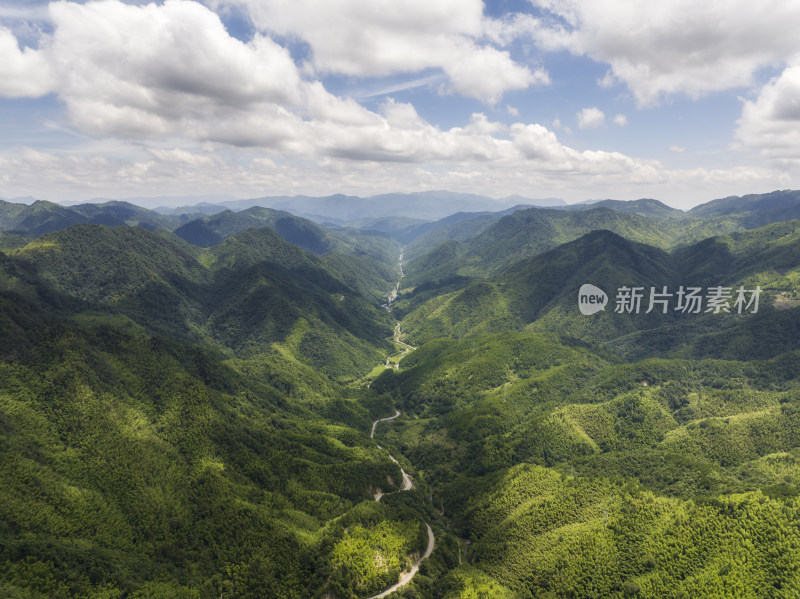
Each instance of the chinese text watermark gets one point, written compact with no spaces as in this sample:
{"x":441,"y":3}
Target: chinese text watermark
{"x":685,"y":300}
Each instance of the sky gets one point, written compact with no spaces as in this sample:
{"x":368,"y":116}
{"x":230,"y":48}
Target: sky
{"x":678,"y":100}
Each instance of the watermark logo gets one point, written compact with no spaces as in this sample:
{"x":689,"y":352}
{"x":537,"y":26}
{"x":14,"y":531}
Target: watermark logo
{"x":591,"y":299}
{"x":685,"y":300}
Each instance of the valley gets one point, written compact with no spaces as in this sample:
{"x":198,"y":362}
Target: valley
{"x":254,"y":404}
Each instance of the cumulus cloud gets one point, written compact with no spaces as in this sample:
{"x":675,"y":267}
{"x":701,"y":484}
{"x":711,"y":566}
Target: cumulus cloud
{"x":771,"y":122}
{"x":590,"y":118}
{"x":676,"y":47}
{"x":366,"y":38}
{"x":172,"y":71}
{"x":620,"y":120}
{"x":154,"y":71}
{"x":169,"y":79}
{"x":23,"y":72}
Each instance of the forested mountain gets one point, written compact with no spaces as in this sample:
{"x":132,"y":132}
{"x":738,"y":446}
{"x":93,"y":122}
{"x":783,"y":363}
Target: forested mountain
{"x":479,"y":253}
{"x":529,"y":233}
{"x":753,"y":210}
{"x":210,"y":230}
{"x":45,"y":217}
{"x":228,"y":410}
{"x":540,"y":294}
{"x":575,"y":475}
{"x":253,"y":290}
{"x":134,"y":465}
{"x":644,"y":207}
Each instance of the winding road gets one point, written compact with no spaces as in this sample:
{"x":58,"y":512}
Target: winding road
{"x":408,"y":484}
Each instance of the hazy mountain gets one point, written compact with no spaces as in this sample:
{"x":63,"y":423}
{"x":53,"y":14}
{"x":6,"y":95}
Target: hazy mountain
{"x":421,"y":236}
{"x":645,"y":207}
{"x":427,"y":205}
{"x":755,"y":209}
{"x":213,"y":229}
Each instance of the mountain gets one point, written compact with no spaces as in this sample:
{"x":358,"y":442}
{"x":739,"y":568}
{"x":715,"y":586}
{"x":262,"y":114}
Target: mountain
{"x":553,"y":459}
{"x":37,"y":218}
{"x":125,"y":454}
{"x":115,"y":213}
{"x":753,"y":210}
{"x":45,"y":217}
{"x":544,"y":288}
{"x":541,"y":202}
{"x":527,"y":233}
{"x":367,"y":260}
{"x":645,"y":207}
{"x":210,"y":230}
{"x":167,"y":203}
{"x":426,"y":205}
{"x":401,"y":228}
{"x":245,"y":420}
{"x":461,"y":226}
{"x":539,"y":294}
{"x":254,"y":289}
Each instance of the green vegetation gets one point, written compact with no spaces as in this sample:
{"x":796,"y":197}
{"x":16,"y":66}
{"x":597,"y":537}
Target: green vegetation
{"x":580,"y":476}
{"x":134,"y":465}
{"x":254,"y":293}
{"x":179,"y":421}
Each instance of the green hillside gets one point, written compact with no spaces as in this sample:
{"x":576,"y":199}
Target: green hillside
{"x":252,"y":291}
{"x":46,"y":217}
{"x":540,"y":294}
{"x":239,"y":411}
{"x":136,"y":466}
{"x":574,"y":475}
{"x":487,"y":247}
{"x":210,"y":230}
{"x":753,"y":210}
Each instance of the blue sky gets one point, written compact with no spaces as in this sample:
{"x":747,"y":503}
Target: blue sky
{"x":681,"y":101}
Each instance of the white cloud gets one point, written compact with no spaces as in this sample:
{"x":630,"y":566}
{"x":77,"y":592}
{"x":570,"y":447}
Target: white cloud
{"x":207,"y":113}
{"x":23,"y":73}
{"x":771,"y":122}
{"x":366,"y":38}
{"x":513,"y":111}
{"x":487,"y":73}
{"x":531,"y":162}
{"x":675,"y":47}
{"x":590,"y":118}
{"x":620,"y":120}
{"x":162,"y":70}
{"x":558,"y":125}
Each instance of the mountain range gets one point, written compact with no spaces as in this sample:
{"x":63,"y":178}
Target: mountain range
{"x":207,"y":402}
